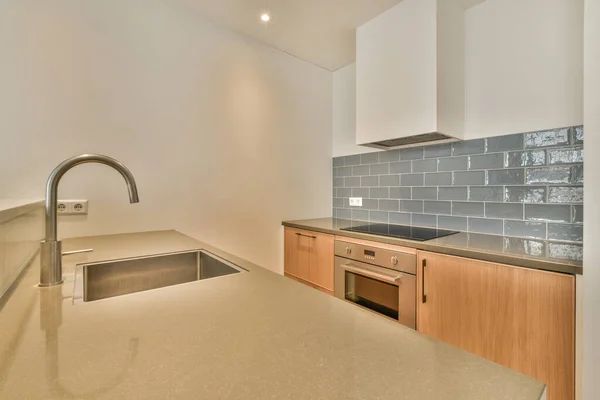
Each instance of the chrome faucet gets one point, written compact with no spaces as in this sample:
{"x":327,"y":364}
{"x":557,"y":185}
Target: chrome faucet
{"x":51,"y":248}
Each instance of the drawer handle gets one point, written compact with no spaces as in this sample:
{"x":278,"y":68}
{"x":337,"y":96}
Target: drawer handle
{"x":308,"y":236}
{"x":423,"y":295}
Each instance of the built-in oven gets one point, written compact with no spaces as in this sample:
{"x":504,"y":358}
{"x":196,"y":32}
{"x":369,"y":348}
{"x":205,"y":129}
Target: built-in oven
{"x":379,"y":279}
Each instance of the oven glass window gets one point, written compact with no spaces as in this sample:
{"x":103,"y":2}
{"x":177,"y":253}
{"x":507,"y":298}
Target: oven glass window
{"x":381,"y":297}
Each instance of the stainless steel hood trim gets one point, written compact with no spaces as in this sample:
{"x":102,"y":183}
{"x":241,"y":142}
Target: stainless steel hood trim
{"x":427,"y":139}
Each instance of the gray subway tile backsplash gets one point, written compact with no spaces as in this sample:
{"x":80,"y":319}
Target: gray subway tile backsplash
{"x":565,"y":251}
{"x":527,"y":229}
{"x":411,"y":206}
{"x":401,"y":167}
{"x":389,"y":180}
{"x":424,"y":193}
{"x":369,"y":181}
{"x":428,"y":165}
{"x":566,"y":194}
{"x":378,"y":216}
{"x":452,"y":223}
{"x":486,"y":161}
{"x":486,"y":225}
{"x":476,"y":146}
{"x":548,"y":212}
{"x":577,"y":214}
{"x":504,"y":210}
{"x":389,"y":156}
{"x":555,"y":137}
{"x":399,"y":218}
{"x":529,"y":158}
{"x":369,"y":158}
{"x":565,"y":232}
{"x":361,"y":170}
{"x":353,"y":181}
{"x":352,"y":160}
{"x":426,"y":220}
{"x":525,"y":194}
{"x":411,"y":180}
{"x":379,"y":193}
{"x":389,"y":205}
{"x":453,"y":193}
{"x":504,"y":143}
{"x":468,"y":178}
{"x":411,"y":153}
{"x":548,"y":175}
{"x":486,"y":193}
{"x":439,"y":150}
{"x":468,"y":209}
{"x":437,"y":207}
{"x":506,"y":177}
{"x":360,"y":192}
{"x":438,"y":179}
{"x":526,"y":186}
{"x":453,"y":163}
{"x":400,"y":193}
{"x":565,"y":156}
{"x":380,"y":169}
{"x":577,"y":134}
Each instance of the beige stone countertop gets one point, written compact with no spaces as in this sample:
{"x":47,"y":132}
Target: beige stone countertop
{"x":11,"y":208}
{"x":254,"y":335}
{"x":529,"y":253}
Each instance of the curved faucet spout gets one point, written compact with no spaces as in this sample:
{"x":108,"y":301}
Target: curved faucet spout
{"x":51,"y":273}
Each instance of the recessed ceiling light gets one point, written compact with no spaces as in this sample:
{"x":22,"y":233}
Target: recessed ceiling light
{"x":265,"y":17}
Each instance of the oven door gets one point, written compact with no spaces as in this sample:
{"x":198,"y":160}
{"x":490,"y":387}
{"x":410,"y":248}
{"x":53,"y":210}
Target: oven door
{"x":382,"y":290}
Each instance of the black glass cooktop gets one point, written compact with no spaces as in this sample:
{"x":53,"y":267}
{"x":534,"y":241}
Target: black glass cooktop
{"x":401,"y":231}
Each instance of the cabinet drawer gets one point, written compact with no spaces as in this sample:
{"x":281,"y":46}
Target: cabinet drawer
{"x":309,"y":257}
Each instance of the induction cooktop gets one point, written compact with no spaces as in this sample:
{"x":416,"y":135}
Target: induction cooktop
{"x":401,"y":231}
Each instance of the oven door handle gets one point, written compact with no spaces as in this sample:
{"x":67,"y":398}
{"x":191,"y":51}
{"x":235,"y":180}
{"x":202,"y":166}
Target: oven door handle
{"x":393,"y":279}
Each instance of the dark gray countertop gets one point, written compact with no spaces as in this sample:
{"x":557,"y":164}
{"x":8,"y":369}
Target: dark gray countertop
{"x":528,"y":253}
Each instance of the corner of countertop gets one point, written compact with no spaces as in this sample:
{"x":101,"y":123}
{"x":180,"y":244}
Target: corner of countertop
{"x":12,"y":208}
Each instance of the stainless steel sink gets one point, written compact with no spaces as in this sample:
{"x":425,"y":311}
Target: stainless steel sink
{"x":115,"y":278}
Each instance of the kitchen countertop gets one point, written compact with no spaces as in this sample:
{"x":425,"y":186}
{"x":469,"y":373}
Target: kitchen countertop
{"x":11,"y":208}
{"x":529,"y":253}
{"x":255,"y":335}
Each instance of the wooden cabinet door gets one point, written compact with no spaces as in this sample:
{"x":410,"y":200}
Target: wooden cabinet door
{"x":297,"y":253}
{"x":521,"y":318}
{"x":321,"y":261}
{"x":309,"y":257}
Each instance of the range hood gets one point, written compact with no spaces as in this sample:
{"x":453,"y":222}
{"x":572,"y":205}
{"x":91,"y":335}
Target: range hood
{"x":410,"y":76}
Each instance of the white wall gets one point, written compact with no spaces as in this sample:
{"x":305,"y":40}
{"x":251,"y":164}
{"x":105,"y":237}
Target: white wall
{"x":344,"y":113}
{"x":226,"y":137}
{"x":523,"y":66}
{"x":591,"y":234}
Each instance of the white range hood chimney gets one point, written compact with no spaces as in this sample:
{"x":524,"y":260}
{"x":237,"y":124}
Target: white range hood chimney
{"x":410,"y":78}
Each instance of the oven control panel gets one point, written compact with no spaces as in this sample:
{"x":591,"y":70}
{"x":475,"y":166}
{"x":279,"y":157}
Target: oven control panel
{"x":397,"y":260}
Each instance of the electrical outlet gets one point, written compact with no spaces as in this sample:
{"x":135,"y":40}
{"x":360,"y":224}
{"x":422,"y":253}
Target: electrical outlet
{"x":62,"y":207}
{"x":72,"y":207}
{"x":79,"y":207}
{"x":355,"y":201}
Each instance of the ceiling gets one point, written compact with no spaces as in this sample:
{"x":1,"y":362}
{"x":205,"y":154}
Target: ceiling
{"x":319,"y":31}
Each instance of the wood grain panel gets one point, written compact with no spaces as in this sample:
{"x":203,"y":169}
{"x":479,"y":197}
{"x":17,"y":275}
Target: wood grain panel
{"x":309,"y":256}
{"x":521,"y":318}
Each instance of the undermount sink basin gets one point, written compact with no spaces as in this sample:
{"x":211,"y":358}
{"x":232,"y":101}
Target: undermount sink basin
{"x":115,"y":278}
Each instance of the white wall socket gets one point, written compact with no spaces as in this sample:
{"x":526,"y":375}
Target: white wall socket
{"x":355,"y":201}
{"x":72,"y":207}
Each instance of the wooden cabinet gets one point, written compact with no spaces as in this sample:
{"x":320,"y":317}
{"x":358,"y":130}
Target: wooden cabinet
{"x":309,"y":257}
{"x":521,"y":318}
